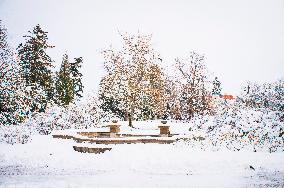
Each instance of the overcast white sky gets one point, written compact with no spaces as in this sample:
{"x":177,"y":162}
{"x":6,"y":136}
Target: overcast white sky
{"x":242,"y":39}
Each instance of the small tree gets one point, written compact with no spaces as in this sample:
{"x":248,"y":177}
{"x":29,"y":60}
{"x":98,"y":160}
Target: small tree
{"x":216,"y":87}
{"x":172,"y":90}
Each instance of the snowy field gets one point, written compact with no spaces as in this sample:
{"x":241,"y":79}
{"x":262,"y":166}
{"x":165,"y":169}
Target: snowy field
{"x":49,"y":162}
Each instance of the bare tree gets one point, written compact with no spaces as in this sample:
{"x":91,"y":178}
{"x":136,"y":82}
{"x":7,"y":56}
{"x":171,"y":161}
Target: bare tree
{"x":194,"y":93}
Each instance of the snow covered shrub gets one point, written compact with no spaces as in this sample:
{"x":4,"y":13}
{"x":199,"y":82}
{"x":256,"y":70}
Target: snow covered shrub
{"x":16,"y":134}
{"x":267,"y":95}
{"x":200,"y":121}
{"x":256,"y":130}
{"x":75,"y":116}
{"x":43,"y":123}
{"x":83,"y":115}
{"x":236,"y":127}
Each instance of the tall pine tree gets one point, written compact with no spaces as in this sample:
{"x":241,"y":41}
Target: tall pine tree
{"x":69,"y":81}
{"x":64,"y":84}
{"x":36,"y":66}
{"x":76,"y":76}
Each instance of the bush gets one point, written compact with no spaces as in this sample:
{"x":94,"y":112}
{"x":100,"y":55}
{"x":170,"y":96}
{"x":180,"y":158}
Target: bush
{"x":15,"y":134}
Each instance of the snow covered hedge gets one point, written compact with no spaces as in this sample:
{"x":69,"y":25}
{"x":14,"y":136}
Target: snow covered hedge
{"x":238,"y":128}
{"x":15,"y":134}
{"x":59,"y":118}
{"x":234,"y":127}
{"x":75,"y":116}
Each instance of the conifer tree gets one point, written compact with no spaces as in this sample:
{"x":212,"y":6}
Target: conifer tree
{"x":69,"y":81}
{"x":7,"y":73}
{"x":76,"y":76}
{"x":36,"y":66}
{"x":64,"y":84}
{"x":216,"y":87}
{"x":13,"y":98}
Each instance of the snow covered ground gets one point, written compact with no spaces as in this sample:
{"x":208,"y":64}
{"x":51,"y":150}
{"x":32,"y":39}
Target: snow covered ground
{"x":49,"y":162}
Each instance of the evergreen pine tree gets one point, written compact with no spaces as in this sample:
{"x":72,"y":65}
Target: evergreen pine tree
{"x":7,"y":73}
{"x":36,"y":66}
{"x":64,"y":85}
{"x":216,"y":87}
{"x":76,"y":76}
{"x":69,"y":81}
{"x":5,"y":68}
{"x":13,"y":98}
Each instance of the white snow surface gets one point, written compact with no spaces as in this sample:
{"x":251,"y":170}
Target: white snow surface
{"x":49,"y":162}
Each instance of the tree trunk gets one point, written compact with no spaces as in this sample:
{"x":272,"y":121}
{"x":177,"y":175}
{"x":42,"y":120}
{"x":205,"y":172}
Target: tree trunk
{"x":126,"y":116}
{"x":130,"y":116}
{"x":130,"y":120}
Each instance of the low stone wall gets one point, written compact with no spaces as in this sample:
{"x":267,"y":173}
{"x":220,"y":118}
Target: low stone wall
{"x":115,"y":141}
{"x":63,"y":136}
{"x":90,"y":150}
{"x":143,"y":135}
{"x":95,"y":134}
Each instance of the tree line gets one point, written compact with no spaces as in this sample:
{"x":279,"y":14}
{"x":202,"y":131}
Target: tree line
{"x":28,"y":80}
{"x":136,"y":86}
